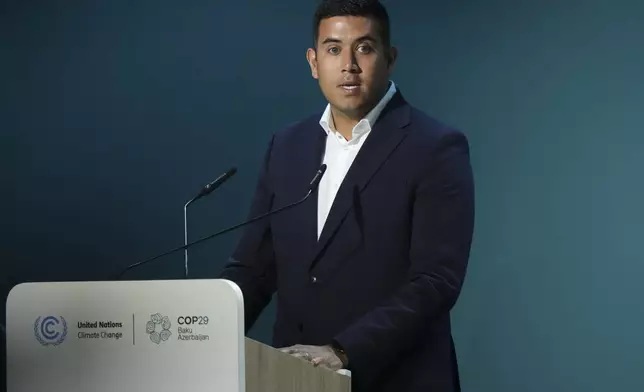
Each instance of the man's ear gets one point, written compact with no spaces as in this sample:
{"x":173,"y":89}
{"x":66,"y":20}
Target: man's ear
{"x":311,"y":57}
{"x":392,"y":57}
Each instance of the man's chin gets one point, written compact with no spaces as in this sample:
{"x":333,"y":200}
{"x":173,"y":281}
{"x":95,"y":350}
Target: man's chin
{"x":353,"y":109}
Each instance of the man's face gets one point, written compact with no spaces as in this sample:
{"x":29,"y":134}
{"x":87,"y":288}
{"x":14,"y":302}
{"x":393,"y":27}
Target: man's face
{"x":351,"y":63}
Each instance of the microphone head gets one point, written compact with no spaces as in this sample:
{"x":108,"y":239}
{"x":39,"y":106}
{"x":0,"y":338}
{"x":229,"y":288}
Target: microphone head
{"x":221,"y":179}
{"x":318,"y":177}
{"x":231,"y":171}
{"x":209,"y":188}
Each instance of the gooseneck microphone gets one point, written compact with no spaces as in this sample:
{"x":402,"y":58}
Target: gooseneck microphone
{"x":205,"y":191}
{"x":315,"y":182}
{"x":209,"y":188}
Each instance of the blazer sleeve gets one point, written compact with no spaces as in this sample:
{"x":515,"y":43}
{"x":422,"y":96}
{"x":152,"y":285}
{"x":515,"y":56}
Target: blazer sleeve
{"x":252,"y":263}
{"x":442,"y":228}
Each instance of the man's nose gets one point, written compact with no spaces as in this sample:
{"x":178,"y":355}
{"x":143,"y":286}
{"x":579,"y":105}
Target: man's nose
{"x":350,"y":62}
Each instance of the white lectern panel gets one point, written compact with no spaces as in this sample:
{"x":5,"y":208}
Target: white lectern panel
{"x":126,"y":336}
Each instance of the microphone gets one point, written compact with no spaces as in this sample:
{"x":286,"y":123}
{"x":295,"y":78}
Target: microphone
{"x":313,"y":185}
{"x":209,"y":188}
{"x":205,"y":191}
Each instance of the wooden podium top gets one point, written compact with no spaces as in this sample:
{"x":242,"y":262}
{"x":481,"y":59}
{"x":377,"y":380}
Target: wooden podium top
{"x":270,"y":370}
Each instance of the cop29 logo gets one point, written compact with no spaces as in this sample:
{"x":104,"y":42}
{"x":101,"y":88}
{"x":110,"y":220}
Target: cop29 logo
{"x":50,"y":330}
{"x":158,"y":328}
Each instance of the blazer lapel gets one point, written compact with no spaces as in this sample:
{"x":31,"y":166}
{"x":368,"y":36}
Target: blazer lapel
{"x":385,"y":136}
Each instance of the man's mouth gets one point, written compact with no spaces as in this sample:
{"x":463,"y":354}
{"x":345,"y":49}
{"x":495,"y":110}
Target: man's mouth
{"x":350,"y":86}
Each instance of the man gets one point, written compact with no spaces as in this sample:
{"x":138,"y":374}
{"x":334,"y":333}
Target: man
{"x":367,"y":269}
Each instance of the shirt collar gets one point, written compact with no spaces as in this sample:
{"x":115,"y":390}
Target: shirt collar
{"x":365,"y":125}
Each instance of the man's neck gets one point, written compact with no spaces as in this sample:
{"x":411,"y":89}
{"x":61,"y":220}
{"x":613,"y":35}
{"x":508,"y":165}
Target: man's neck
{"x":344,"y":124}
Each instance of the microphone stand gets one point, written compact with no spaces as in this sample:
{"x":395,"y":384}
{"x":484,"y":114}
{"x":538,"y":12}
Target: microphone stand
{"x":185,"y":236}
{"x":312,"y":187}
{"x":205,"y":191}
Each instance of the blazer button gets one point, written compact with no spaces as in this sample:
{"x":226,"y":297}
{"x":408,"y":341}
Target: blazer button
{"x":313,"y":279}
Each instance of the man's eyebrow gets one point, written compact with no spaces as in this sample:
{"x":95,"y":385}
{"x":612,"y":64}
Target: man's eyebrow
{"x":337,"y":41}
{"x":367,"y":38}
{"x":331,"y":40}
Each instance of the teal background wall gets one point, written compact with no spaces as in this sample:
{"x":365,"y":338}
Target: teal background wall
{"x":112,"y":114}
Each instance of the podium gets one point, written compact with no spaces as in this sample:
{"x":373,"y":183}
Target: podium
{"x":146,"y":336}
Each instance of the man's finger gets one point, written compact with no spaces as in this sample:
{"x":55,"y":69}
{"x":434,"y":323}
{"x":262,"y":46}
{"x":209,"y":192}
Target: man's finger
{"x":291,"y":349}
{"x":302,"y":354}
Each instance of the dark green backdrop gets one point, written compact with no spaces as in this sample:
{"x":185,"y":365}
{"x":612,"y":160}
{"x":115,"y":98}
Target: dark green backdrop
{"x":114,"y":113}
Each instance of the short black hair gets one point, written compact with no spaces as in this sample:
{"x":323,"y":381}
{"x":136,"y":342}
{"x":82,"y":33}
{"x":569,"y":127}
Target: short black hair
{"x":372,"y":9}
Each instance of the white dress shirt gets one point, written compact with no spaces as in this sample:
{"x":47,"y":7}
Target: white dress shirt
{"x":340,"y":153}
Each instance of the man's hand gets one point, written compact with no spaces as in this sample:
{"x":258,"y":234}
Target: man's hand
{"x":317,"y":355}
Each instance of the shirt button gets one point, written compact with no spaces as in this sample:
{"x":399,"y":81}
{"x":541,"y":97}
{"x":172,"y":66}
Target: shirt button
{"x":313,"y":279}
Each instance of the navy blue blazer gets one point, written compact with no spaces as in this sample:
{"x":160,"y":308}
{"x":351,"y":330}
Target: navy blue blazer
{"x":391,"y":259}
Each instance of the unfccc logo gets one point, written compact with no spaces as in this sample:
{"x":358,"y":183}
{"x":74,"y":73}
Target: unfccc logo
{"x":158,"y":328}
{"x":50,"y":330}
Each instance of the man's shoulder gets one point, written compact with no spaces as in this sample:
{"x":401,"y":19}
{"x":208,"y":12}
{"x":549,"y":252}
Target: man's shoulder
{"x":299,"y":127}
{"x":431,"y":141}
{"x":429,"y":129}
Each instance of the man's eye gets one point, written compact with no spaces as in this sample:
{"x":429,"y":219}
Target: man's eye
{"x":364,"y":49}
{"x":333,"y":50}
